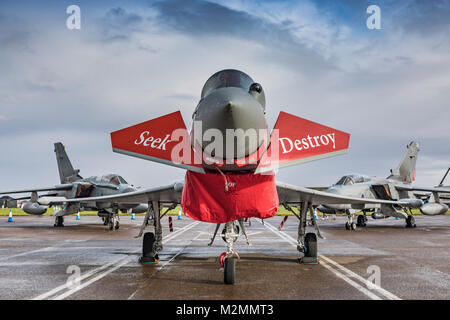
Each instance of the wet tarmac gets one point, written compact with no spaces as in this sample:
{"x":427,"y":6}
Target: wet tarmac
{"x":84,"y":260}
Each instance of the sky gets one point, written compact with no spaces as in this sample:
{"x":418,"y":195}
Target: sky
{"x":132,"y":61}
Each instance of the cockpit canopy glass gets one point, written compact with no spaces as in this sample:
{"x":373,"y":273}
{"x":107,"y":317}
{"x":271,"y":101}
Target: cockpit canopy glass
{"x":352,"y":179}
{"x":113,"y":179}
{"x":227,"y":78}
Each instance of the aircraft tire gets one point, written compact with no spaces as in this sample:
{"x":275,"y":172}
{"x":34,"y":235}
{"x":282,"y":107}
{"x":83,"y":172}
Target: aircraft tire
{"x":410,"y":222}
{"x":311,"y":245}
{"x":147,"y":244}
{"x":347,"y":226}
{"x":353,"y":226}
{"x":229,"y":270}
{"x":361,"y":221}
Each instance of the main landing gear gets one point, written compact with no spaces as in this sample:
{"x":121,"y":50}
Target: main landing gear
{"x":361,"y":221}
{"x":410,"y":222}
{"x":306,"y":242}
{"x":59,"y":221}
{"x":152,"y":242}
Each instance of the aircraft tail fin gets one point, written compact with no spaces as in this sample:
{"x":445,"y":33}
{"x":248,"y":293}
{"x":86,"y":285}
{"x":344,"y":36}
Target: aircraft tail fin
{"x":406,"y":170}
{"x":66,"y":171}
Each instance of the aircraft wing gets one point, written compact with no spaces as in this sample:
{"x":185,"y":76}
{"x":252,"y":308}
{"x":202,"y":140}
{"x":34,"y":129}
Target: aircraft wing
{"x":55,"y":188}
{"x":410,"y":188}
{"x":169,"y":194}
{"x":293,"y":194}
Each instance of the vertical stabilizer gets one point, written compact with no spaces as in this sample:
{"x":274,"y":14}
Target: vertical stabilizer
{"x":66,"y":171}
{"x":406,"y":170}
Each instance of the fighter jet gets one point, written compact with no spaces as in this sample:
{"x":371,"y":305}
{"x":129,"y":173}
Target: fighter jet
{"x":230,"y":159}
{"x":397,"y":186}
{"x":73,"y":186}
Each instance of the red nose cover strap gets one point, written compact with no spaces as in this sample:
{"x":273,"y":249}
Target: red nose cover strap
{"x":205,"y":198}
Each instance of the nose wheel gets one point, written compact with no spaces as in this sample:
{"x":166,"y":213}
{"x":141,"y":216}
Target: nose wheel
{"x":113,"y":223}
{"x":229,"y":270}
{"x":350,"y":224}
{"x":227,"y":259}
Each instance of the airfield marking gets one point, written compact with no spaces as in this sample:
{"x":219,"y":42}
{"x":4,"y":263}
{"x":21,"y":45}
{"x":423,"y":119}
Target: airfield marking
{"x":340,"y":275}
{"x":25,"y":253}
{"x":120,"y":262}
{"x":164,"y":265}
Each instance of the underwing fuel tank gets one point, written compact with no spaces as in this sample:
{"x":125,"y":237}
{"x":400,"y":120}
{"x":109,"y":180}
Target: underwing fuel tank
{"x":325,"y":209}
{"x":140,"y":208}
{"x":378,"y":215}
{"x":434,"y":209}
{"x":34,"y":208}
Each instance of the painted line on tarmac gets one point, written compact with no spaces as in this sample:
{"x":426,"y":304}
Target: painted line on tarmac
{"x":116,"y":264}
{"x":339,"y":274}
{"x":25,"y":253}
{"x":164,"y":265}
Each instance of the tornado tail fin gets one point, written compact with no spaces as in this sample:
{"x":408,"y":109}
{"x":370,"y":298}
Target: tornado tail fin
{"x":406,"y":170}
{"x":66,"y":171}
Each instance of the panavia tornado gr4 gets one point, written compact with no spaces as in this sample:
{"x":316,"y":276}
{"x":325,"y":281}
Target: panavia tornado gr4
{"x":230,"y":157}
{"x":397,"y":186}
{"x":73,"y":186}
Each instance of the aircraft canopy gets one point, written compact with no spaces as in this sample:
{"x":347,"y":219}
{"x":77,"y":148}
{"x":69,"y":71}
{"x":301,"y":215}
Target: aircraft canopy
{"x":227,"y":78}
{"x":352,"y":179}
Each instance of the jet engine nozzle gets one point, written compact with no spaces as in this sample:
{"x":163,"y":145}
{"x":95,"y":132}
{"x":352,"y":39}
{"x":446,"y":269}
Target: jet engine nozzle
{"x":433,"y":208}
{"x":236,"y":116}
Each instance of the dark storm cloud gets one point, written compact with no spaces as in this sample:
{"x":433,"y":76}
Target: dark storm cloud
{"x":203,"y":18}
{"x":424,"y":17}
{"x":118,"y":24}
{"x":12,"y":35}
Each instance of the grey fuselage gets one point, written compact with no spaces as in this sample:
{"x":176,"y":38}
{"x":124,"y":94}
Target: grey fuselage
{"x":360,"y":186}
{"x":96,"y":186}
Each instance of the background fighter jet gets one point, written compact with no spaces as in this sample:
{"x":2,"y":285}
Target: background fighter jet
{"x":230,"y":161}
{"x":74,"y":186}
{"x":397,"y":186}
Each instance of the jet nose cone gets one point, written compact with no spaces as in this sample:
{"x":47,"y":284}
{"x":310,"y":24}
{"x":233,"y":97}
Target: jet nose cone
{"x":232,"y":109}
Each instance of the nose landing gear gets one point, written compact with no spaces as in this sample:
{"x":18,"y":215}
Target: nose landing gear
{"x":227,"y":259}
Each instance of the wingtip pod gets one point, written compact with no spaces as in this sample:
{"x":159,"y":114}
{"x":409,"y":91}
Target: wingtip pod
{"x":295,"y":140}
{"x":164,"y":140}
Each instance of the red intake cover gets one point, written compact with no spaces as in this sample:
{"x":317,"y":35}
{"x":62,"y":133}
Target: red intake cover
{"x":205,"y":197}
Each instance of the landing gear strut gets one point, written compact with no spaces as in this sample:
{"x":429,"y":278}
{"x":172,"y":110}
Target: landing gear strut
{"x":307,"y":242}
{"x":230,"y":234}
{"x":350,"y":224}
{"x":59,"y":221}
{"x":152,"y":242}
{"x":113,"y":222}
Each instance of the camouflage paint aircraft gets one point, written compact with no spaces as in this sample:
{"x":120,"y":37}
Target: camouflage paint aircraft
{"x":397,"y":186}
{"x":230,"y":178}
{"x":73,"y":186}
